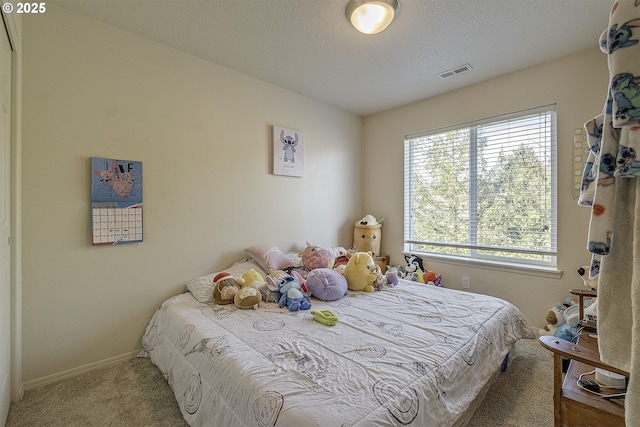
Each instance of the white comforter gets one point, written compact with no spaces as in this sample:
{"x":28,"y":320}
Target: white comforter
{"x":411,"y":355}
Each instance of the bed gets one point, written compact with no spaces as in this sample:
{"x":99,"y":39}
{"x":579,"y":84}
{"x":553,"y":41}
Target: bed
{"x":412,"y":354}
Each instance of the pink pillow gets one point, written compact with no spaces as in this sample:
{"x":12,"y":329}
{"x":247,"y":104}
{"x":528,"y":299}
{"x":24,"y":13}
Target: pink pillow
{"x":269,"y":257}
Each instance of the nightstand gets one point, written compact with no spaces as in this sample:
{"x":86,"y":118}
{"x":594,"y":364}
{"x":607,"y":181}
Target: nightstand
{"x":574,"y":406}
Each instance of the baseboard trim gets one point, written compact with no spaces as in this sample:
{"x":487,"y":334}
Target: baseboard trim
{"x":17,"y":397}
{"x":50,"y":379}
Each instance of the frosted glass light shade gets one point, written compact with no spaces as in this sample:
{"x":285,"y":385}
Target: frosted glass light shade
{"x":371,"y":16}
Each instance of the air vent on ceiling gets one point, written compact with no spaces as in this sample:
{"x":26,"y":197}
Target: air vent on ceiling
{"x":455,"y":71}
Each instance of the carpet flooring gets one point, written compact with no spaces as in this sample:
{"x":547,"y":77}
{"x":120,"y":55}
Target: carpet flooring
{"x":134,"y":393}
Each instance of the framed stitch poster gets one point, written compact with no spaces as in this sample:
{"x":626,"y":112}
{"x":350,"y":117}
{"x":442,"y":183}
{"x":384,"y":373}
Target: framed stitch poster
{"x":288,"y":152}
{"x":116,"y":201}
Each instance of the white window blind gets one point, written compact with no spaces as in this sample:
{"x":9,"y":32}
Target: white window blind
{"x":485,"y":189}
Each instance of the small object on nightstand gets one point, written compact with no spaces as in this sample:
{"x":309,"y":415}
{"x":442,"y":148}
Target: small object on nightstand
{"x":590,"y":385}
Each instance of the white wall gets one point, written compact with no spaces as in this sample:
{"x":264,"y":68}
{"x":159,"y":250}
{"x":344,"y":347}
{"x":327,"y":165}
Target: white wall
{"x":577,"y":84}
{"x":203,"y":135}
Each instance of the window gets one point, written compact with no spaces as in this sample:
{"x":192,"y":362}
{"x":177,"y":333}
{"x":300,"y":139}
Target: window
{"x":484,"y":190}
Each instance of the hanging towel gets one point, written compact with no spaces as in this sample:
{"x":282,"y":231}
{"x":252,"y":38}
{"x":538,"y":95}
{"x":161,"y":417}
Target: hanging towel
{"x":614,"y":228}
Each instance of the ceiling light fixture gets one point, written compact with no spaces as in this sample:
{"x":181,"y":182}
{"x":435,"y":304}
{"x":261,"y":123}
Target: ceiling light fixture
{"x":371,"y":16}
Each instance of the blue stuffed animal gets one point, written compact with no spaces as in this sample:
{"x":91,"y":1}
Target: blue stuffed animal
{"x":569,"y":330}
{"x":292,"y":296}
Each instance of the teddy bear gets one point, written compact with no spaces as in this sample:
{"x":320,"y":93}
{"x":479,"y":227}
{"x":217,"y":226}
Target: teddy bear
{"x":249,"y":295}
{"x":225,"y":288}
{"x":361,"y":272}
{"x":555,"y":319}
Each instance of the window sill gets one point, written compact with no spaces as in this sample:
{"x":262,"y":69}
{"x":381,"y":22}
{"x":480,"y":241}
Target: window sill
{"x":531,"y":270}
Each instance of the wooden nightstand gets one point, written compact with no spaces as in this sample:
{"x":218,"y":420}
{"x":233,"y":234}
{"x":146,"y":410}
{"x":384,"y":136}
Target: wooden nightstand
{"x":574,"y":406}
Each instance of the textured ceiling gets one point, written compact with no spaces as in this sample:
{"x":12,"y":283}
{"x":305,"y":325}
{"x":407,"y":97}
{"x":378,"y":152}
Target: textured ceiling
{"x":308,"y":46}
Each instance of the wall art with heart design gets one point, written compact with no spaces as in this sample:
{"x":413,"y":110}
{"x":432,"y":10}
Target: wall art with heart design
{"x":116,"y":201}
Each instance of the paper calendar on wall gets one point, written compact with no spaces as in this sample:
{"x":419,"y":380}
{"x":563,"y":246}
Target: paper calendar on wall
{"x":116,"y":201}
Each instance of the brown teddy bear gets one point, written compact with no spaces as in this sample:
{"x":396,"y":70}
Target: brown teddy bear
{"x":249,"y":295}
{"x":225,"y":288}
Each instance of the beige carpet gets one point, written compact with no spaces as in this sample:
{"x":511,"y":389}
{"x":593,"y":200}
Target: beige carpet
{"x":134,"y":393}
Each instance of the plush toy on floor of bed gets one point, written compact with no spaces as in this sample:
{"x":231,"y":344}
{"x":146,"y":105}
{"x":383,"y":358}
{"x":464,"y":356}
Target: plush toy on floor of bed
{"x":416,"y":272}
{"x":225,"y":288}
{"x":290,"y":293}
{"x":249,"y":295}
{"x":290,"y":281}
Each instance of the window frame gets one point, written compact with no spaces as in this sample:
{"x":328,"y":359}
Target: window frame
{"x":472,"y":256}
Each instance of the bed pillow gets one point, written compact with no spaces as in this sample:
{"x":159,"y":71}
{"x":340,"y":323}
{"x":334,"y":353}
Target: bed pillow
{"x":269,"y":257}
{"x":202,"y":287}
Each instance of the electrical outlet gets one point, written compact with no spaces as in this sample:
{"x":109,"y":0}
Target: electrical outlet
{"x":466,"y":283}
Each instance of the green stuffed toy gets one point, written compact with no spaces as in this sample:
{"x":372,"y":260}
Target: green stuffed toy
{"x":326,"y":317}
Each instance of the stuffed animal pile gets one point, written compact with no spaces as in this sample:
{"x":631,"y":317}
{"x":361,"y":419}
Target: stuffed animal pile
{"x":562,"y":320}
{"x":324,"y":273}
{"x":243,"y":292}
{"x":416,"y":272}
